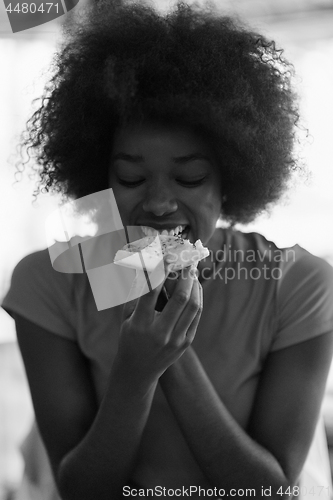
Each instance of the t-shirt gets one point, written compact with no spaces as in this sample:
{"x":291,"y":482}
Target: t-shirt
{"x":258,"y":298}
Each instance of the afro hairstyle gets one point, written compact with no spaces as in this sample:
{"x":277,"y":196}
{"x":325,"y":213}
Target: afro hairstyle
{"x":123,"y":62}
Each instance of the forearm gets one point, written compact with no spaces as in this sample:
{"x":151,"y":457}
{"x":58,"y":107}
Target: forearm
{"x":103,"y":461}
{"x":227,"y":455}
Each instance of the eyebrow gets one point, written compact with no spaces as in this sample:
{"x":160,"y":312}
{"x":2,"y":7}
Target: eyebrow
{"x":190,"y":157}
{"x":127,"y":157}
{"x":178,"y":159}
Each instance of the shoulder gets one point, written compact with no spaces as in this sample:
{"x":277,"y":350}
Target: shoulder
{"x":293,"y":261}
{"x":252,"y":243}
{"x":304,"y":298}
{"x":302,"y":268}
{"x":37,"y":260}
{"x":298,"y":284}
{"x":297,"y":270}
{"x":42,"y":295}
{"x":35,"y":270}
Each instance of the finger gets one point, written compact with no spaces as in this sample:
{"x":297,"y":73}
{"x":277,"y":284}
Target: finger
{"x":178,"y":301}
{"x":162,"y":300}
{"x":191,"y":314}
{"x":139,"y":285}
{"x":191,"y":332}
{"x":171,"y":282}
{"x":145,"y":307}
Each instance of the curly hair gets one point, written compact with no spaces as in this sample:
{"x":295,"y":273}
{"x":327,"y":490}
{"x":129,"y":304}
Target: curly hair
{"x":121,"y":62}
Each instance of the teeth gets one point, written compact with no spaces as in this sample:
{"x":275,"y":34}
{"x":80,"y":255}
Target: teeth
{"x":153,"y":232}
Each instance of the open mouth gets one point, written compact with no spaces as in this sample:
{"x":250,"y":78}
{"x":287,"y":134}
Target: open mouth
{"x":179,"y":231}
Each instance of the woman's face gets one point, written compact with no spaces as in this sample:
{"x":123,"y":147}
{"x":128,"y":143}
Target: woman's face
{"x":163,"y":177}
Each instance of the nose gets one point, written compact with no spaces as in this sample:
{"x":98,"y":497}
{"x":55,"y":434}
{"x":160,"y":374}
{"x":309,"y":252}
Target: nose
{"x":159,"y":200}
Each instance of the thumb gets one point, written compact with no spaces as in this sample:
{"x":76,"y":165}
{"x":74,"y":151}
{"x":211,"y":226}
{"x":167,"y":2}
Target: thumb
{"x":138,"y":285}
{"x":138,"y":289}
{"x":138,"y":294}
{"x":129,"y":308}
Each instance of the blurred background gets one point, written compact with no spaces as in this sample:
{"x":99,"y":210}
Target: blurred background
{"x":303,"y":28}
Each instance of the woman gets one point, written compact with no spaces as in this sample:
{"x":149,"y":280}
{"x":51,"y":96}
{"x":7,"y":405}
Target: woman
{"x":188,"y":118}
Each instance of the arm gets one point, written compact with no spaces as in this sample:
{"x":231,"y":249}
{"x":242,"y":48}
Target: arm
{"x":93,"y":450}
{"x":282,"y":422}
{"x":84,"y":443}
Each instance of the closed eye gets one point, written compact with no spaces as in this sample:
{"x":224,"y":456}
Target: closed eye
{"x":193,"y":183}
{"x":130,"y":183}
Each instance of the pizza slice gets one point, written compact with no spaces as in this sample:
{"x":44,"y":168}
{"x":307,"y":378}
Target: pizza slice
{"x":146,"y":253}
{"x":154,"y":257}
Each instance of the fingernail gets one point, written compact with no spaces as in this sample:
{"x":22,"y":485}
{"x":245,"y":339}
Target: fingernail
{"x":194,"y":272}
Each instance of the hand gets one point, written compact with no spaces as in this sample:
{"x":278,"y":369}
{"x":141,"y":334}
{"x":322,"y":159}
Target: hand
{"x":151,"y":341}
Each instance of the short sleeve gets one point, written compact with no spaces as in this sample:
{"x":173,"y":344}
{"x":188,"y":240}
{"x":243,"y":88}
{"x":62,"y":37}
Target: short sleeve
{"x":304,"y":300}
{"x":42,"y":295}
